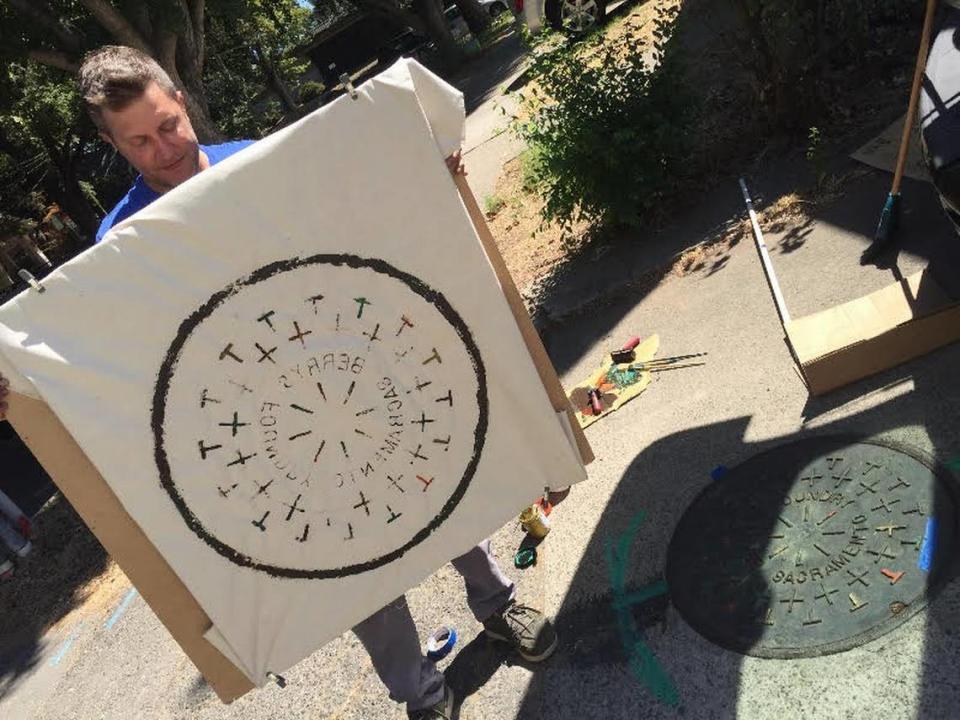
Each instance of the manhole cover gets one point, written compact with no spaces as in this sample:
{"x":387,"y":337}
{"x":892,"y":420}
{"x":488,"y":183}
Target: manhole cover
{"x":812,"y":548}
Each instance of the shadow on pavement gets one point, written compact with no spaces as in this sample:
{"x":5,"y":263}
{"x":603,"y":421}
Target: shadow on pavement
{"x":49,"y":583}
{"x":709,"y":679}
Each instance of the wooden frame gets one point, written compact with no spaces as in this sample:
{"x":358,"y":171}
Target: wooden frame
{"x":101,"y":510}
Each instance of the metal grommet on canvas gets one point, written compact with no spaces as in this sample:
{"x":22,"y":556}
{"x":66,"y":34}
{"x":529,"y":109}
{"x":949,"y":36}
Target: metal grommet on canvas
{"x":441,"y":642}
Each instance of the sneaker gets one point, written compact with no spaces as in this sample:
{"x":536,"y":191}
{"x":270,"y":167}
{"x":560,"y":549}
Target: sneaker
{"x":443,"y":710}
{"x":526,"y":629}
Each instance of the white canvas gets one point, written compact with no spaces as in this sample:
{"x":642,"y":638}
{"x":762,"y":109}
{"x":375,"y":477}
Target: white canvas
{"x":298,"y":373}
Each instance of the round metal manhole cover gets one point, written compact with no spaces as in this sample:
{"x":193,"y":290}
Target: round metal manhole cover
{"x":813,"y":547}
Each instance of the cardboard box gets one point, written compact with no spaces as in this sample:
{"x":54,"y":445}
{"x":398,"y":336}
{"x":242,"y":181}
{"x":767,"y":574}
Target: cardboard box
{"x":879,"y":331}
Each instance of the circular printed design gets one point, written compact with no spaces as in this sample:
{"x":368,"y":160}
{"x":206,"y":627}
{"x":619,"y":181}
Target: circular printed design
{"x":813,"y":547}
{"x":320,"y":417}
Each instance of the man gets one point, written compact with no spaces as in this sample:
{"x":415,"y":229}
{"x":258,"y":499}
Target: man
{"x":140,"y":112}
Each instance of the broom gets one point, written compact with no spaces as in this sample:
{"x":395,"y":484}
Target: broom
{"x":890,"y":215}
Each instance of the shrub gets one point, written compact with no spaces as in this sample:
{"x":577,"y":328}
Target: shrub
{"x":796,"y":50}
{"x":603,"y":120}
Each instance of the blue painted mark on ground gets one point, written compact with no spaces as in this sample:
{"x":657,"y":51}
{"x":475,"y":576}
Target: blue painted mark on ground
{"x":929,"y":546}
{"x":65,"y":647}
{"x":643,"y":663}
{"x":121,"y":608}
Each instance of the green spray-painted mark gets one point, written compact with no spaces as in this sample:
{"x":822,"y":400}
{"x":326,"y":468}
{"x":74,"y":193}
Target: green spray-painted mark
{"x":641,"y":660}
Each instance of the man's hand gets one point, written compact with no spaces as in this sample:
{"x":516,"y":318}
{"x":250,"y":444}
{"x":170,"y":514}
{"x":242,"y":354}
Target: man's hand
{"x":4,"y":391}
{"x":455,"y":164}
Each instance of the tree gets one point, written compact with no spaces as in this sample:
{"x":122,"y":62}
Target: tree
{"x":171,"y":31}
{"x":49,"y":150}
{"x":43,"y":139}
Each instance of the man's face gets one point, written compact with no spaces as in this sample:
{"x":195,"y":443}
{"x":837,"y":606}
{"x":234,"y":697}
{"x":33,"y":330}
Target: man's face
{"x":155,"y":135}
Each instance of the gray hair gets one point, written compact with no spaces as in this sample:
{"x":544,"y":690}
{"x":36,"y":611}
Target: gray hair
{"x":114,"y":76}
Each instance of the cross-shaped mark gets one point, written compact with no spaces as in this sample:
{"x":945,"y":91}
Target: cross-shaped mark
{"x":395,"y":481}
{"x":434,"y":357}
{"x":871,"y":467}
{"x":362,"y":504}
{"x":243,"y":388}
{"x":393,"y":515}
{"x":422,"y":422}
{"x":832,"y":462}
{"x":842,"y":478}
{"x":883,"y":504}
{"x":899,"y":484}
{"x":858,"y":578}
{"x":919,"y":509}
{"x":792,"y":600}
{"x":234,"y":425}
{"x":417,"y":454}
{"x":299,"y":334}
{"x":294,"y":507}
{"x":265,"y":354}
{"x":262,"y":489}
{"x":426,"y":481}
{"x":241,"y":459}
{"x":868,"y":488}
{"x":825,"y":594}
{"x":448,"y":398}
{"x":885,"y":553}
{"x":373,"y":336}
{"x":445,"y":442}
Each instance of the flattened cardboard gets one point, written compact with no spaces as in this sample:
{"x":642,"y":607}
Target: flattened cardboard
{"x":873,"y":333}
{"x":89,"y":494}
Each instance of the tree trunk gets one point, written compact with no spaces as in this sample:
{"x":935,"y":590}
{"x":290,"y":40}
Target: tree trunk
{"x":274,"y":81}
{"x":431,"y":14}
{"x":478,"y":19}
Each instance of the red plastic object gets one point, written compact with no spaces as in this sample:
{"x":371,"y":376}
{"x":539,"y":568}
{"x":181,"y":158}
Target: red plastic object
{"x":24,"y":527}
{"x":595,"y":403}
{"x":631,"y":343}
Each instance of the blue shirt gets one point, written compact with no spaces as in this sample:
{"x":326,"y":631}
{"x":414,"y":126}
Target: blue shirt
{"x":141,"y":194}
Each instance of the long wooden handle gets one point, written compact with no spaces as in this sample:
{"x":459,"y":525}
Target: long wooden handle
{"x":914,"y":95}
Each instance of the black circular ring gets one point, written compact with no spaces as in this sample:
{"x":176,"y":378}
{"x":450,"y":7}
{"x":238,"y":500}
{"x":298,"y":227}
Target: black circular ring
{"x":169,"y":365}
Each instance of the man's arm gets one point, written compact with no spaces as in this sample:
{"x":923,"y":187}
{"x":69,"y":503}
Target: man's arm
{"x":455,"y":164}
